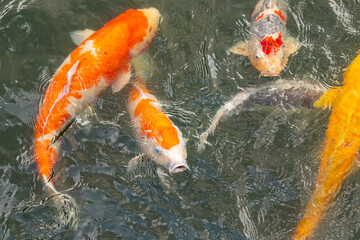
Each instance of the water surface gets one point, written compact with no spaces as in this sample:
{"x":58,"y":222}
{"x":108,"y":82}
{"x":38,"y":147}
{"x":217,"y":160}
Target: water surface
{"x":254,"y":179}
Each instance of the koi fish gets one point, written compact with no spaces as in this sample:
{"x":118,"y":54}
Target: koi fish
{"x":101,"y":60}
{"x":284,"y":93}
{"x":269,"y":45}
{"x":159,"y":138}
{"x":341,"y":149}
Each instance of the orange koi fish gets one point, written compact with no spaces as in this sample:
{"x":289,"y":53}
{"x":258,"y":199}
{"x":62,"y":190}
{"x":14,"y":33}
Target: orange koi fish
{"x":159,"y":138}
{"x":98,"y":62}
{"x":341,"y":148}
{"x":269,"y":46}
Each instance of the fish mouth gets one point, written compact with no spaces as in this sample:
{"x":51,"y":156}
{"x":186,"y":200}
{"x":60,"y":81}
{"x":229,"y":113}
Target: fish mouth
{"x":180,"y":167}
{"x":270,"y":73}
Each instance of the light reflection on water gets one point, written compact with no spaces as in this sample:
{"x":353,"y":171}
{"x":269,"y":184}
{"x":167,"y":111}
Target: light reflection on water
{"x":254,"y":179}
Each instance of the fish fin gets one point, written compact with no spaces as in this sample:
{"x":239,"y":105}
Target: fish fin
{"x":292,"y":45}
{"x":80,"y":35}
{"x":66,"y":205}
{"x":241,"y":48}
{"x":133,"y":163}
{"x":163,"y":176}
{"x":144,"y":65}
{"x":329,"y":98}
{"x":121,"y":80}
{"x":357,"y":163}
{"x":227,"y":108}
{"x":85,"y":119}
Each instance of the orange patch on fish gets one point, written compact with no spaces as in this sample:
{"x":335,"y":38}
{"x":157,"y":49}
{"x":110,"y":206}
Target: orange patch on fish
{"x":135,"y":93}
{"x":46,"y":157}
{"x":141,"y":23}
{"x":269,"y":45}
{"x":259,"y":17}
{"x":90,"y":69}
{"x":156,"y":125}
{"x":280,"y":14}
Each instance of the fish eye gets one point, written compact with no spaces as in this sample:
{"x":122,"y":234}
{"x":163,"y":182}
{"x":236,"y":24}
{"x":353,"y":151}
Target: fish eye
{"x":257,"y":56}
{"x":158,"y":149}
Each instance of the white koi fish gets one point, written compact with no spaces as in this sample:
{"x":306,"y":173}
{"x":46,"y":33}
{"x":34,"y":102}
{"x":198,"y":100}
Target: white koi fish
{"x":269,"y":45}
{"x":285,"y":93}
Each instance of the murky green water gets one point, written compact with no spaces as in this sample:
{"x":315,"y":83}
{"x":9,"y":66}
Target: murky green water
{"x":252,"y":182}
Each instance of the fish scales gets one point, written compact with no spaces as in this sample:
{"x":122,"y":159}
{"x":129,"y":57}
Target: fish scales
{"x":267,"y":21}
{"x":90,"y":69}
{"x":342,"y":143}
{"x":269,"y":45}
{"x":267,"y":25}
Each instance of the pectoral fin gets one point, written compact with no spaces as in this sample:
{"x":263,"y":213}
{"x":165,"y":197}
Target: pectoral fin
{"x":292,"y":45}
{"x":329,"y":99}
{"x":133,"y":163}
{"x":241,"y":48}
{"x":144,"y":65}
{"x":122,"y":80}
{"x":79,"y":36}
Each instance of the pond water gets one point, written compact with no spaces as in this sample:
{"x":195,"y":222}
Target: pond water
{"x":252,"y":181}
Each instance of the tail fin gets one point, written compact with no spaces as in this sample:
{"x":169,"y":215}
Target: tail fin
{"x":65,"y":204}
{"x":224,"y":110}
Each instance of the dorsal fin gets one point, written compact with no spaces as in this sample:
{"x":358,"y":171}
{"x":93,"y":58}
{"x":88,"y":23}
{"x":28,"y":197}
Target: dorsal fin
{"x":269,"y":4}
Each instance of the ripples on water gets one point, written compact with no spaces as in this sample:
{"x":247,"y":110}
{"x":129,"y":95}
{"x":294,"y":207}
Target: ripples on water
{"x":252,"y":182}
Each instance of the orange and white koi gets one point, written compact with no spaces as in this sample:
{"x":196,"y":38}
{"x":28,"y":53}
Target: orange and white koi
{"x":269,"y":46}
{"x":98,"y":62}
{"x":341,"y":149}
{"x":158,"y":136}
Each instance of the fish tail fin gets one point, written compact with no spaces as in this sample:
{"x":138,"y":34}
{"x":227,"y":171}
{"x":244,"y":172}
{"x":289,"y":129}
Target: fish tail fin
{"x":329,"y":99}
{"x":273,"y":3}
{"x":315,"y":212}
{"x":65,"y":205}
{"x":328,"y":184}
{"x":227,"y":108}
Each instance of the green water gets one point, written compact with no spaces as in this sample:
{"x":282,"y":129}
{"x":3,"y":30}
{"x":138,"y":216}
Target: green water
{"x":252,"y":182}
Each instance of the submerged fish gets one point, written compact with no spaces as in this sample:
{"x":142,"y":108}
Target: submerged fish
{"x":341,"y":149}
{"x":98,"y":62}
{"x":159,"y":138}
{"x":284,"y":93}
{"x":269,"y":45}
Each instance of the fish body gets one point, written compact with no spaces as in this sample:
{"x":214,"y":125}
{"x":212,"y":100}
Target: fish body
{"x":340,"y":151}
{"x":159,"y":138}
{"x":269,"y":45}
{"x":285,"y":93}
{"x":98,"y":62}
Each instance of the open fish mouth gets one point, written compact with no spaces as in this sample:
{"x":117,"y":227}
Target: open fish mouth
{"x":180,"y":167}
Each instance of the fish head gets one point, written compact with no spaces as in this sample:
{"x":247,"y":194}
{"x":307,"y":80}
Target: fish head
{"x":153,"y":19}
{"x":268,"y":55}
{"x":174,"y":159}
